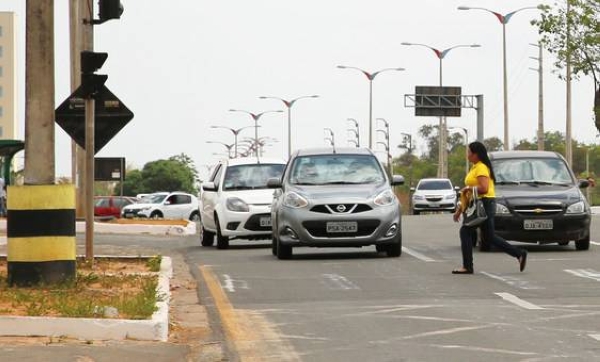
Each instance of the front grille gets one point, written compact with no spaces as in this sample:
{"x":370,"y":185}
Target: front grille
{"x":539,"y":210}
{"x":434,"y":198}
{"x":253,"y":223}
{"x":319,"y":229}
{"x":347,"y":208}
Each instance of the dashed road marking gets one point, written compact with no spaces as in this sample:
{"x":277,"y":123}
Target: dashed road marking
{"x":229,"y":283}
{"x":594,"y":243}
{"x":585,"y":273}
{"x":518,"y":301}
{"x":513,"y":282}
{"x":416,"y":254}
{"x":595,"y":336}
{"x":338,"y":282}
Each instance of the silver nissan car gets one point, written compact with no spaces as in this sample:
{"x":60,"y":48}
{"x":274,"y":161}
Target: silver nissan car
{"x":335,"y":197}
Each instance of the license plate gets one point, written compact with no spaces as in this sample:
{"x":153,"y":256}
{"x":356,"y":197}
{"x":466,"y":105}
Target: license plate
{"x":537,"y":224}
{"x":342,"y":227}
{"x":265,"y":221}
{"x":433,"y":204}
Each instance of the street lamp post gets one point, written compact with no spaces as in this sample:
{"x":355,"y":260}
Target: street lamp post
{"x":255,"y":117}
{"x":441,"y":54}
{"x":235,"y":132}
{"x":504,"y":19}
{"x":386,"y":134}
{"x":331,"y":137}
{"x":229,"y":147}
{"x":356,"y":132}
{"x":466,"y":146}
{"x":289,"y":105}
{"x":370,"y":77}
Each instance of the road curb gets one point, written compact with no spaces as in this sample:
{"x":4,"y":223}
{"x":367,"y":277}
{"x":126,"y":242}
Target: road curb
{"x":154,"y":329}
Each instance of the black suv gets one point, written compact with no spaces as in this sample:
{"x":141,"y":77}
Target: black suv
{"x":538,"y":199}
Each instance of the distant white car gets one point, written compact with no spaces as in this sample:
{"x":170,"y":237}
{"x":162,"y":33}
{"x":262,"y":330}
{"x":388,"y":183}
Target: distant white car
{"x":434,"y":194}
{"x":236,"y":202}
{"x":164,"y":205}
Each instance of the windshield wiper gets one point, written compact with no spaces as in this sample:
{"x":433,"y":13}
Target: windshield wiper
{"x":541,"y":182}
{"x":508,"y":182}
{"x":341,"y":183}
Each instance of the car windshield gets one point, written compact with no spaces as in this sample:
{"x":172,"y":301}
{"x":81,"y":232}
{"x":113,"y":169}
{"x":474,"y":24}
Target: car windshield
{"x":336,"y":169}
{"x":435,"y":185}
{"x":532,"y":170}
{"x":252,"y":176}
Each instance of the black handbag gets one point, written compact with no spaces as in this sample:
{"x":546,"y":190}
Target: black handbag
{"x":474,"y":214}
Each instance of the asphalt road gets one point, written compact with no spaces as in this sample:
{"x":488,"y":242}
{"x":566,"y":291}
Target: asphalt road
{"x":357,"y":305}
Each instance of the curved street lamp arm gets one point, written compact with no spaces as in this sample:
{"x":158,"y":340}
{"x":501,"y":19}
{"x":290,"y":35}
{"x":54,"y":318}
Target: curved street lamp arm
{"x":509,"y":15}
{"x":384,"y":145}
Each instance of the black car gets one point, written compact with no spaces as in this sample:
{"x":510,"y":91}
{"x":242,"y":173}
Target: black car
{"x":539,"y":199}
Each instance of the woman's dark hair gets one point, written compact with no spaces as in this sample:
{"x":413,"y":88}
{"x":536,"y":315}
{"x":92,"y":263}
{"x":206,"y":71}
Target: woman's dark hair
{"x":479,"y":149}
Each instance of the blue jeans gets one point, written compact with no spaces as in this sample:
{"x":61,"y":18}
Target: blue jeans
{"x":468,"y":236}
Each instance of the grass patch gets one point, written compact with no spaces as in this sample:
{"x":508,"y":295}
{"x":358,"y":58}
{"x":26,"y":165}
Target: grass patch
{"x":123,"y":288}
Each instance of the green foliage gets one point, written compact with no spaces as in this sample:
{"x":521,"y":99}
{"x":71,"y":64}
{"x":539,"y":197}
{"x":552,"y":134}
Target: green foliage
{"x":177,"y":173}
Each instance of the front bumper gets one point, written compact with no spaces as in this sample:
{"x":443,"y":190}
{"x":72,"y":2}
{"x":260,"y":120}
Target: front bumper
{"x":303,"y":227}
{"x":254,"y":224}
{"x":564,"y":228}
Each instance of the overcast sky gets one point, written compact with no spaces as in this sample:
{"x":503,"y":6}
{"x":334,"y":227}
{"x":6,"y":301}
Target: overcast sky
{"x":181,"y":65}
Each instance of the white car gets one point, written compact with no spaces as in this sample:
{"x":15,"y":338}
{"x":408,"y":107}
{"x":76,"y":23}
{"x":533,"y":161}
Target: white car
{"x":434,"y":194}
{"x":236,"y":202}
{"x":164,"y":205}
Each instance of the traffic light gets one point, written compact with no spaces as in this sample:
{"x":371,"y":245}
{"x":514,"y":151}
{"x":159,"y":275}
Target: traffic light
{"x":90,"y":63}
{"x":108,"y":10}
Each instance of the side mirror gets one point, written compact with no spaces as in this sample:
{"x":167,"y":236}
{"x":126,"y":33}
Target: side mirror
{"x":397,"y":180}
{"x":209,"y":186}
{"x":274,"y":183}
{"x":583,"y":183}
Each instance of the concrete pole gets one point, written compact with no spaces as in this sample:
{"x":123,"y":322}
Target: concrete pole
{"x":541,"y":99}
{"x":39,"y":93}
{"x":505,"y":90}
{"x":568,"y":143}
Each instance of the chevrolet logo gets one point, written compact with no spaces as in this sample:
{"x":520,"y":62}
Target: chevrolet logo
{"x":538,"y":210}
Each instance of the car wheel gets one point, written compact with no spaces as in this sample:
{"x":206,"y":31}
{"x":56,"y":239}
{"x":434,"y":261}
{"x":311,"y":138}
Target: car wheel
{"x":283,"y":251}
{"x":156,"y":215}
{"x":395,"y":250}
{"x":195,"y":216}
{"x":583,"y":244}
{"x":206,"y":237}
{"x":274,"y":246}
{"x":222,"y":241}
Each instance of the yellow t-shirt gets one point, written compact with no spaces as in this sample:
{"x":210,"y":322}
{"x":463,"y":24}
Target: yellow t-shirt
{"x":477,"y":170}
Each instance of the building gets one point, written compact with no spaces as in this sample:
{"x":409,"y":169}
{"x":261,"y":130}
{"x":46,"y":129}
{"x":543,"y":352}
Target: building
{"x":8,"y":76}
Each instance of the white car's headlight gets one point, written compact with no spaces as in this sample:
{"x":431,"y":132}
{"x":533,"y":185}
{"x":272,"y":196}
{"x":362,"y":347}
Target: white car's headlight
{"x":576,"y":208}
{"x":450,"y":197}
{"x":293,"y":200}
{"x":385,"y":198}
{"x":237,"y":204}
{"x":145,"y":208}
{"x":501,"y":209}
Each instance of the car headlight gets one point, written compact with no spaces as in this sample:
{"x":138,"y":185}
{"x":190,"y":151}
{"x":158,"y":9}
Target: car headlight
{"x":501,"y":209}
{"x":576,"y":208}
{"x":385,"y":198}
{"x":236,"y":204}
{"x":294,"y":200}
{"x":145,"y":208}
{"x":450,"y":197}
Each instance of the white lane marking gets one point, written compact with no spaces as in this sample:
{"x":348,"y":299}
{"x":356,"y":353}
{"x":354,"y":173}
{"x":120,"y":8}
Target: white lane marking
{"x":482,"y":349}
{"x":338,"y":282}
{"x":229,"y":283}
{"x":518,"y":301}
{"x":513,"y":281}
{"x":595,"y":336}
{"x":443,"y":331}
{"x":585,"y":273}
{"x":416,"y":254}
{"x":595,"y":243}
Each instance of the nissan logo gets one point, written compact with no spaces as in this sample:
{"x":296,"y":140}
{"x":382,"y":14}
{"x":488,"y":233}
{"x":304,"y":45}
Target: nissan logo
{"x":340,"y":208}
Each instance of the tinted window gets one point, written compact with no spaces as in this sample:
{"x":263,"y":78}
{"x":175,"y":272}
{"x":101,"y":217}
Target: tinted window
{"x":435,"y":185}
{"x":336,"y":169}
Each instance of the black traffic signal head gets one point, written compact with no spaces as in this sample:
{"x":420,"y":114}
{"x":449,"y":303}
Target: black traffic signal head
{"x":91,"y":62}
{"x":109,"y":9}
{"x":90,"y":82}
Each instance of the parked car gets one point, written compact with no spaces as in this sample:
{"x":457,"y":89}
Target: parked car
{"x":167,"y":205}
{"x":434,"y":194}
{"x":539,"y":199}
{"x":110,"y":206}
{"x":335,"y":197}
{"x":236,"y":202}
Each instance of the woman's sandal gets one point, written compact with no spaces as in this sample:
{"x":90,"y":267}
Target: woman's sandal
{"x":462,"y":271}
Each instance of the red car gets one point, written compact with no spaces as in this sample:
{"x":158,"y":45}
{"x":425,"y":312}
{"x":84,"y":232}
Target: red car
{"x":105,"y":206}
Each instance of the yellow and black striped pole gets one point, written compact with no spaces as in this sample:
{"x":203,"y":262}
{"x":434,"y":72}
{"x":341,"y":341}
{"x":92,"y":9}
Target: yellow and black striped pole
{"x":40,"y":230}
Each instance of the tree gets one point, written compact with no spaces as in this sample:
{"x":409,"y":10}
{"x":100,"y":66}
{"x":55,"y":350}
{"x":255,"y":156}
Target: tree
{"x":574,"y":35}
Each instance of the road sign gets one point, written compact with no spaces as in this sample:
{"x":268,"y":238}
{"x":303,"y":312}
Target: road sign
{"x":437,"y":101}
{"x":111,"y":116}
{"x":109,"y":168}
